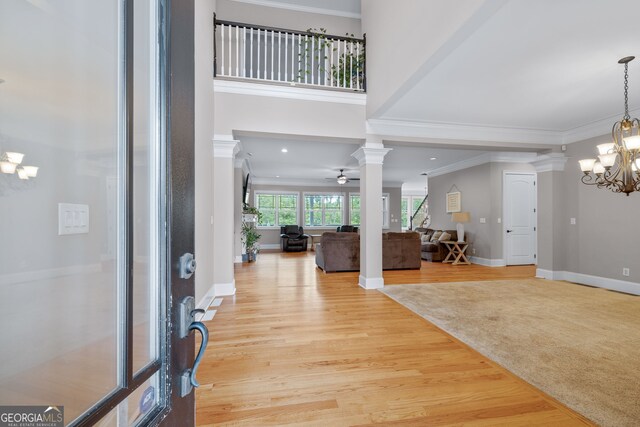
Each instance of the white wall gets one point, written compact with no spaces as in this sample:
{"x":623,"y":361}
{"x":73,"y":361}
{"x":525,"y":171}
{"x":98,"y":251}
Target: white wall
{"x":230,"y":10}
{"x":204,"y":112}
{"x":481,"y":192}
{"x":402,"y":35}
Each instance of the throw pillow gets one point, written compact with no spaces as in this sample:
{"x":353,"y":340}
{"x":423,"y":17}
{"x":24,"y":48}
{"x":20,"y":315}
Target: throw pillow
{"x":436,"y":236}
{"x":425,"y":238}
{"x":444,"y":236}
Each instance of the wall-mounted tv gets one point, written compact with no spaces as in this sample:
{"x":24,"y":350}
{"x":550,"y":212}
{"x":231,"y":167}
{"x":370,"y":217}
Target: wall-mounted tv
{"x":246,"y":189}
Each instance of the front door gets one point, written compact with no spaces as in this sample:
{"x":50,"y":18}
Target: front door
{"x":96,"y":210}
{"x":520,"y":218}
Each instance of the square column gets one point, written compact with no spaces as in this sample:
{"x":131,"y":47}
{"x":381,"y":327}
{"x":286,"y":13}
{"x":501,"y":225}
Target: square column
{"x":238,"y":205}
{"x":224,"y":150}
{"x":370,"y":160}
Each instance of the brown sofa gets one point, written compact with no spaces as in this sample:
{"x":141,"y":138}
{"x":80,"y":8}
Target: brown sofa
{"x":341,"y":251}
{"x":435,"y":251}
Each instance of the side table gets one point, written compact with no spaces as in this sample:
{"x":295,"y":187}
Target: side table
{"x":456,"y":252}
{"x":315,"y":238}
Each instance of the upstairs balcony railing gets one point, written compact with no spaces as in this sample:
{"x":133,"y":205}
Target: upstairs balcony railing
{"x":312,"y":58}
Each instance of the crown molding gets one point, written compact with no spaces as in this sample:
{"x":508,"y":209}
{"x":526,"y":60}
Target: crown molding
{"x":504,"y":157}
{"x":223,"y":147}
{"x":276,"y":90}
{"x":462,"y":131}
{"x":301,"y":8}
{"x":370,"y":156}
{"x":550,"y":162}
{"x":593,"y":129}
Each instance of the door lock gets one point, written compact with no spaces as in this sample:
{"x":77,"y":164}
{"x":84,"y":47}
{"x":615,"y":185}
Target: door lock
{"x":187,"y":266}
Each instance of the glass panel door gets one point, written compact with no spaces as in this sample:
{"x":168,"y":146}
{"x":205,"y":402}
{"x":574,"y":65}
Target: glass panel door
{"x":59,"y":274}
{"x":83,"y":209}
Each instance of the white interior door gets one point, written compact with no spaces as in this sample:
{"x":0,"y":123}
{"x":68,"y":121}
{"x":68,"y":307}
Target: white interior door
{"x":520,"y":218}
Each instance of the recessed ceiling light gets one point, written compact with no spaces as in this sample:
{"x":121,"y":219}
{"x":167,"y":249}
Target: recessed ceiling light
{"x":277,"y":176}
{"x":433,"y":158}
{"x":284,"y":150}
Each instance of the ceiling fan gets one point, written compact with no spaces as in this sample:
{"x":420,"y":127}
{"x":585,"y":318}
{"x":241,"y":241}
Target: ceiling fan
{"x":342,"y":179}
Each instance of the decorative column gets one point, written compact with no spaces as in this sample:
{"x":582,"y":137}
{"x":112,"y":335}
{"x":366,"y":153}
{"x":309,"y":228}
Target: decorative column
{"x":238,"y":182}
{"x":370,"y":158}
{"x":224,"y":150}
{"x":551,"y":225}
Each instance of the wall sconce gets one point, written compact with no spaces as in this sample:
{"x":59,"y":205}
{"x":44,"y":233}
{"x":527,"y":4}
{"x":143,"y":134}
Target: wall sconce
{"x":10,"y":163}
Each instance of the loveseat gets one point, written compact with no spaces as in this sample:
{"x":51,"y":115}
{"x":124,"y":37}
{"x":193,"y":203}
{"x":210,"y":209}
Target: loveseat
{"x":434,"y":251}
{"x":341,"y":251}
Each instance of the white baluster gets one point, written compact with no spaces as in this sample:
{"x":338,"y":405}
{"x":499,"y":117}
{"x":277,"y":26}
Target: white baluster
{"x":313,"y":53}
{"x":244,"y":52}
{"x":266,"y":42}
{"x":344,"y":64}
{"x":237,"y":51}
{"x":299,"y":56}
{"x":279,"y":55}
{"x":273,"y":46}
{"x":286,"y":57}
{"x":258,"y":66}
{"x":251,"y":54}
{"x":306,"y":57}
{"x":222,"y":53}
{"x":230,"y":54}
{"x":351,"y":65}
{"x":331,"y":64}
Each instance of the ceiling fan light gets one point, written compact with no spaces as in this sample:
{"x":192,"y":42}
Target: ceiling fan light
{"x":606,"y":148}
{"x":342,"y":180}
{"x":632,"y":142}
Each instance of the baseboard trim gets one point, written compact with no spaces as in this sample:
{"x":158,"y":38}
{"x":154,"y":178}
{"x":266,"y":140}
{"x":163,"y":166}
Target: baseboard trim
{"x":206,"y":300}
{"x":587,"y":279}
{"x":488,"y":262}
{"x":371,"y":282}
{"x":51,"y":273}
{"x":270,"y":246}
{"x":224,"y":289}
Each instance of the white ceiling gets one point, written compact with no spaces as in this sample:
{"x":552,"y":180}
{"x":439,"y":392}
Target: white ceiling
{"x":312,"y":162}
{"x":544,"y":65}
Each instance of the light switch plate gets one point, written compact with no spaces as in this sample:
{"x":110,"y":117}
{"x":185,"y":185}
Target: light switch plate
{"x":573,"y":221}
{"x":483,"y":220}
{"x":499,"y":220}
{"x":73,"y":219}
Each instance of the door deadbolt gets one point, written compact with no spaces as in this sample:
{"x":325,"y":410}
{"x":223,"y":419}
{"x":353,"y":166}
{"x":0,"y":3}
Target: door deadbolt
{"x":187,"y":266}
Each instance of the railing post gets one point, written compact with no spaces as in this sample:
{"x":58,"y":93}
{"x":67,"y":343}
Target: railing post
{"x":215,"y":50}
{"x":364,"y":62}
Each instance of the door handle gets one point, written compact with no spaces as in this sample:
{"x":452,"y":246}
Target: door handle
{"x":186,"y":324}
{"x":509,"y":231}
{"x":198,"y":326}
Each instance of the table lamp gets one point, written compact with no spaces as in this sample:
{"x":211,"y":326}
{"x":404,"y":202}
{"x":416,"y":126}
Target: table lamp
{"x":460,"y":218}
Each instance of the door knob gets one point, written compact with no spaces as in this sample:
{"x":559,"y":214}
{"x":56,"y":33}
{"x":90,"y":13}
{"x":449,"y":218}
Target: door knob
{"x":187,"y":265}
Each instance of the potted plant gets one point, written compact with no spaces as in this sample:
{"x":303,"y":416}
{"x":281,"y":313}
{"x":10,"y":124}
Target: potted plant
{"x":250,"y":235}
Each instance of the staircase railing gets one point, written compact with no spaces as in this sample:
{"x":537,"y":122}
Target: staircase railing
{"x":276,"y":55}
{"x":421,"y":215}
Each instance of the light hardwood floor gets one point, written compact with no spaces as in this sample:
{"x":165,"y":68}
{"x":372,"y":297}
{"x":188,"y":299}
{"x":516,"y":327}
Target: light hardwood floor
{"x":298,"y":346}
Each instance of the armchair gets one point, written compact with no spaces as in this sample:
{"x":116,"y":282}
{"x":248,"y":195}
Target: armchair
{"x":293,"y":239}
{"x":347,"y":229}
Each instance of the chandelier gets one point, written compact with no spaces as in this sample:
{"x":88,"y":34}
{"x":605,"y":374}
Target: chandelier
{"x":618,"y":164}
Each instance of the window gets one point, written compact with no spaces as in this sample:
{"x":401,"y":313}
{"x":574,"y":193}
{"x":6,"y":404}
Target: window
{"x":354,"y":209}
{"x":277,"y":209}
{"x":323,"y":210}
{"x":409,"y":206}
{"x":404,"y":213}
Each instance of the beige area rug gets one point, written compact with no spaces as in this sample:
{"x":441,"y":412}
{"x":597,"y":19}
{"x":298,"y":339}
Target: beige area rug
{"x":578,"y":344}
